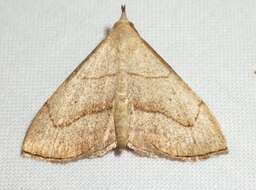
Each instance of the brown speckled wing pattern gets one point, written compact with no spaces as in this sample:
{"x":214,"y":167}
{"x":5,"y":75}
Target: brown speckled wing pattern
{"x":124,"y":95}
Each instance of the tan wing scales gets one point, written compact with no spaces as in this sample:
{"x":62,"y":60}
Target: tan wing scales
{"x":168,"y":118}
{"x":124,"y":94}
{"x":77,"y":120}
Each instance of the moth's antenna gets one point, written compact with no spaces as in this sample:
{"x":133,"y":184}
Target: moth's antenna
{"x":123,"y":15}
{"x":123,"y":8}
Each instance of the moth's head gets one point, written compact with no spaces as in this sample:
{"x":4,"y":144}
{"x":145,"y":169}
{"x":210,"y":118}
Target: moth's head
{"x":123,"y":18}
{"x":122,"y":27}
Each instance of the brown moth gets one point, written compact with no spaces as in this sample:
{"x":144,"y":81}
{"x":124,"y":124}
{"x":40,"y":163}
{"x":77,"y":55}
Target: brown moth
{"x":124,"y":95}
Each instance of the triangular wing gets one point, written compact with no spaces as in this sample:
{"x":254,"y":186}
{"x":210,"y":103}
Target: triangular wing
{"x":168,"y":118}
{"x":77,"y":120}
{"x":124,"y":94}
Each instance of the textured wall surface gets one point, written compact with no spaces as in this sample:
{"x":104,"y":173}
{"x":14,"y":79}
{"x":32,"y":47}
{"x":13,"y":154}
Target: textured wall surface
{"x":211,"y":45}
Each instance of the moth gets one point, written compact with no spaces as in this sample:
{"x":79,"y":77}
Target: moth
{"x":123,"y":96}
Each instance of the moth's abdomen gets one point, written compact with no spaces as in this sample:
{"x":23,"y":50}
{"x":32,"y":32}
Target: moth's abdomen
{"x":121,"y":110}
{"x":121,"y":119}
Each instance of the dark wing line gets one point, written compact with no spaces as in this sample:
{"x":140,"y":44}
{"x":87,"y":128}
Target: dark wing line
{"x":129,"y":73}
{"x":79,"y":115}
{"x":137,"y":107}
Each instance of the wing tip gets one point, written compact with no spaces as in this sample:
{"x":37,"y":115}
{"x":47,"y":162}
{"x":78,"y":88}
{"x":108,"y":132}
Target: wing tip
{"x":203,"y":156}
